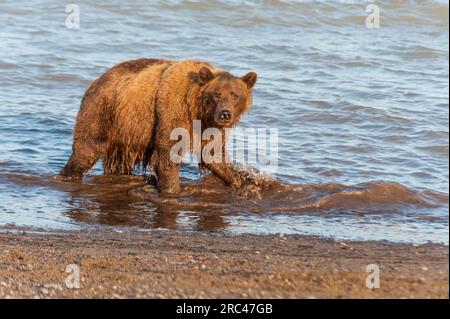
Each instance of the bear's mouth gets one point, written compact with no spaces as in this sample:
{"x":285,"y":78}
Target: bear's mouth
{"x":223,"y":123}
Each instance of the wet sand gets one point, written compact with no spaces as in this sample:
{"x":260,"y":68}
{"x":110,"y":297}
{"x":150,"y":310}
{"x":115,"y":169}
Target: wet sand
{"x":171,"y":264}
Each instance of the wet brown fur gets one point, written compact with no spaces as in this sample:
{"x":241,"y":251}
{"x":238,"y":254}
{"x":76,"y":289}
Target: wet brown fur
{"x":126,"y":116}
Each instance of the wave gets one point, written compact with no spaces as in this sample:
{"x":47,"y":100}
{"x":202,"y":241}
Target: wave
{"x":336,"y":12}
{"x":263,"y":194}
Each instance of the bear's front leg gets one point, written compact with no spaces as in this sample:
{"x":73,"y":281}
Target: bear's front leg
{"x":168,"y":173}
{"x":226,"y":172}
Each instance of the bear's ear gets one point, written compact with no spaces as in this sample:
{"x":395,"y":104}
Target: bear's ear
{"x":205,"y":75}
{"x":250,"y":79}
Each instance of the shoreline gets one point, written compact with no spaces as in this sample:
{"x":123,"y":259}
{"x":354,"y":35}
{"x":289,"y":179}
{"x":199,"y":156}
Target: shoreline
{"x":176,"y":264}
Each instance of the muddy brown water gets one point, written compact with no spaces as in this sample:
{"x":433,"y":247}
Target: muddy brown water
{"x":206,"y":204}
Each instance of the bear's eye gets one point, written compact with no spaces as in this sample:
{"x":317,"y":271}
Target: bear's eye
{"x":217,"y":95}
{"x":234,"y":95}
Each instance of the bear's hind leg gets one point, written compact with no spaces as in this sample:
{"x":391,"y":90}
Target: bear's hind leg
{"x":82,"y":159}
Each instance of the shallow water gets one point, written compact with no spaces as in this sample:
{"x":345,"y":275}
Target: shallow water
{"x":362,"y":114}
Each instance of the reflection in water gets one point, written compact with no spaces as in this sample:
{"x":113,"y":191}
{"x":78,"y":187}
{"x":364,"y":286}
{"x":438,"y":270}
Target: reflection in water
{"x":131,"y":201}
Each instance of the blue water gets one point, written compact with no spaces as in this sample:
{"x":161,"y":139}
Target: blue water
{"x":354,"y":107}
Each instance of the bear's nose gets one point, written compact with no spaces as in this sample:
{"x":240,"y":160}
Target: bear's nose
{"x":225,"y":114}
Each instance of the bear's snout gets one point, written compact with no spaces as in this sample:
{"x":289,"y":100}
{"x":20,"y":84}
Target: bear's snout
{"x":225,"y":115}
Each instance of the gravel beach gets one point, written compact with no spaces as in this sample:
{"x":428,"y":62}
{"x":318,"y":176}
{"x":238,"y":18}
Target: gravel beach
{"x":172,"y":264}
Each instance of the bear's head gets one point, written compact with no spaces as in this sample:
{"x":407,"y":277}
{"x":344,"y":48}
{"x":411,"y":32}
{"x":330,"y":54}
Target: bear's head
{"x":225,"y":97}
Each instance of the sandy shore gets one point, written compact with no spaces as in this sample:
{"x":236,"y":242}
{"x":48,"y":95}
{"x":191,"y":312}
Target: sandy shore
{"x":160,"y":264}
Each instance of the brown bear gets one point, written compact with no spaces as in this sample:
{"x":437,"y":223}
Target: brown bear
{"x":127,"y":115}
